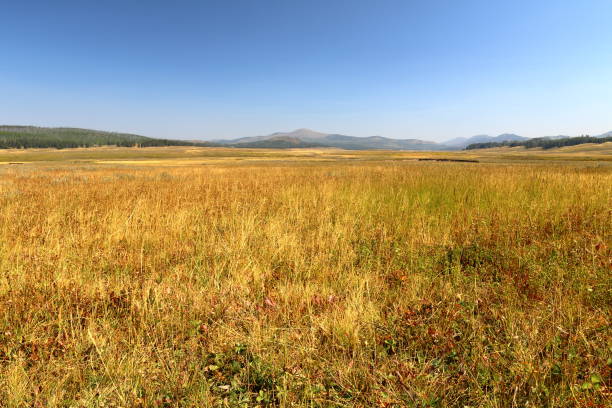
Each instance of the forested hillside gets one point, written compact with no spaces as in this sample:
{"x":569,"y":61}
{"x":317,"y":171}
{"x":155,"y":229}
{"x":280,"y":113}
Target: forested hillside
{"x":545,"y":143}
{"x":21,"y":137}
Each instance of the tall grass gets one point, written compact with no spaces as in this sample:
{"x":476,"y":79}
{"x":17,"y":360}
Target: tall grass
{"x":410,"y":284}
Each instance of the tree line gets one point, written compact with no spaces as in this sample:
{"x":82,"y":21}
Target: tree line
{"x":542,"y":142}
{"x":24,"y":137}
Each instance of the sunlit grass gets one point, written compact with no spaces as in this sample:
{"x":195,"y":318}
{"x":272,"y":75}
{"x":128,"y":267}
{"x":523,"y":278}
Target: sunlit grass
{"x":371,"y":283}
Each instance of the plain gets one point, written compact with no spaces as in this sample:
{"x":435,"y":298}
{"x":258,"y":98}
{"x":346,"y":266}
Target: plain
{"x":218,"y":277}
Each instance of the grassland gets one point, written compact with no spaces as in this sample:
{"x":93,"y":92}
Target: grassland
{"x":180,"y":155}
{"x":223,"y":277}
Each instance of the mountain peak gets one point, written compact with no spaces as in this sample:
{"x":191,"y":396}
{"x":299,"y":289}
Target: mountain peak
{"x":461,"y":142}
{"x":304,"y":132}
{"x":309,"y":137}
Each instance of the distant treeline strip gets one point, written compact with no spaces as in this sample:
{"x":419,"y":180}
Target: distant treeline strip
{"x":23,"y":137}
{"x":542,"y":142}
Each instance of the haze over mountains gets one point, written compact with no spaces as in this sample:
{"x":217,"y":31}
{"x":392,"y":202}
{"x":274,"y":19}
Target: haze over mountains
{"x":311,"y":138}
{"x":30,"y":136}
{"x":339,"y":141}
{"x":462,"y":142}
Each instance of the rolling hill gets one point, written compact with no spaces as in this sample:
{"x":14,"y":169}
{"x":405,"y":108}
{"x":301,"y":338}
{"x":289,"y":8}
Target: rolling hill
{"x":543,"y":142}
{"x":22,"y":137}
{"x":506,"y":138}
{"x":339,"y":141}
{"x":278,"y":142}
{"x":463,"y":142}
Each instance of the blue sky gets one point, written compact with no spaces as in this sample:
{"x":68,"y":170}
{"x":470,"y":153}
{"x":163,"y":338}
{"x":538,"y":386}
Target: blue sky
{"x":216,"y":69}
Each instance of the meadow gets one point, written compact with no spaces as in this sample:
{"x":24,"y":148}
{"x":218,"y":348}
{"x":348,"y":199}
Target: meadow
{"x":176,"y":277}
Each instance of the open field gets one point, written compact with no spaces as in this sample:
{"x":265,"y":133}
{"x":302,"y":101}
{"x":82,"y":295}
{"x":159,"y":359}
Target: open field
{"x":318,"y":277}
{"x":177,"y":155}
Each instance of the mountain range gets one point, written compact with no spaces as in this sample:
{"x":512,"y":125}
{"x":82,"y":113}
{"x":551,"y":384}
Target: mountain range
{"x":311,"y":138}
{"x":30,"y":136}
{"x":462,"y":142}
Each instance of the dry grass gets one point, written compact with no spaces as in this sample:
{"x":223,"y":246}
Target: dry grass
{"x":369,"y":283}
{"x":185,"y":156}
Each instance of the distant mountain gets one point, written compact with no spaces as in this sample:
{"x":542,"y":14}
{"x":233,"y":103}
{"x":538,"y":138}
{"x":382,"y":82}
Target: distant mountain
{"x":21,"y":137}
{"x":300,"y":134}
{"x":542,"y":142}
{"x":458,"y":141}
{"x":277,"y":142}
{"x":555,"y":137}
{"x":340,"y":141}
{"x":43,"y":137}
{"x":607,"y":134}
{"x":558,"y":137}
{"x":509,"y":136}
{"x":462,"y":142}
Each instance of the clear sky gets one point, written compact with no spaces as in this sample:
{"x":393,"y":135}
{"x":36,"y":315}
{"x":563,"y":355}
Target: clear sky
{"x":434,"y":69}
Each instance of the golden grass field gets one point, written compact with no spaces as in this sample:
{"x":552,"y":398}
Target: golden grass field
{"x":174,"y":277}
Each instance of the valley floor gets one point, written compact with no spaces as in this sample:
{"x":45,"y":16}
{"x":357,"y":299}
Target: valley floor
{"x":179,"y":155}
{"x":317,"y":277}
